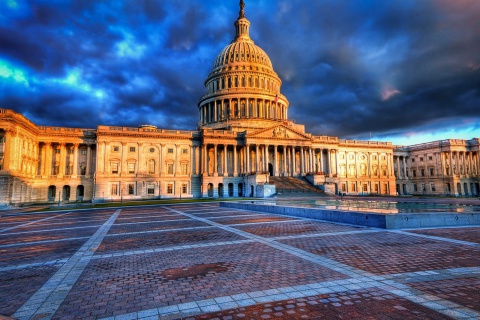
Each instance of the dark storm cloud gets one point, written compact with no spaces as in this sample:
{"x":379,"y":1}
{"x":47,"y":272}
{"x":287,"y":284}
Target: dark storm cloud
{"x":348,"y":67}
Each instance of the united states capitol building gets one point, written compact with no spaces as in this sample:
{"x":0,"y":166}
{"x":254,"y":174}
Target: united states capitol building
{"x":245,"y":145}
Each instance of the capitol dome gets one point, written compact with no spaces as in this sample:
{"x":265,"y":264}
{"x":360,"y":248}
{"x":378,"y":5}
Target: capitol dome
{"x":242,"y":90}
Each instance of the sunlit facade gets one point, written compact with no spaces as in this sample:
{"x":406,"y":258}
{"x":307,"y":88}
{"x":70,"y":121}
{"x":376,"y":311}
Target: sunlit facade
{"x":244,"y":144}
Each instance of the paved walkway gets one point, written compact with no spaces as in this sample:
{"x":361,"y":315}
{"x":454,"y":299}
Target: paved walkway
{"x":200,"y":261}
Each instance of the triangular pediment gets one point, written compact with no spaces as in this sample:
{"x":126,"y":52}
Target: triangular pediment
{"x":279,"y":132}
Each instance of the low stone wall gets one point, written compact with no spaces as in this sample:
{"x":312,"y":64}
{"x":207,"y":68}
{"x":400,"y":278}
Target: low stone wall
{"x":393,"y":221}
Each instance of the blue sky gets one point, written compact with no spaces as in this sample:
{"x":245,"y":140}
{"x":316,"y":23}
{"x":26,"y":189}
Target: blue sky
{"x":406,"y":71}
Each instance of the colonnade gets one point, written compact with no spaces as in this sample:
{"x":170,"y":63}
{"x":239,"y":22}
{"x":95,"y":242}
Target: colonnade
{"x":452,"y":163}
{"x":60,"y":159}
{"x":460,"y":163}
{"x":240,"y":108}
{"x":278,"y":160}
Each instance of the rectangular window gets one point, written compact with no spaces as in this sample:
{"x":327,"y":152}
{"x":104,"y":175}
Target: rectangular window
{"x":184,"y":168}
{"x":70,"y":151}
{"x":170,"y":150}
{"x":116,"y":148}
{"x":365,"y":188}
{"x":132,"y":149}
{"x":114,"y":190}
{"x":131,"y":188}
{"x":376,"y":188}
{"x":57,"y":151}
{"x":151,"y":189}
{"x":114,"y":167}
{"x":131,"y":168}
{"x":431,"y":171}
{"x":184,"y":188}
{"x":344,"y":187}
{"x":169,"y":188}
{"x":184,"y":151}
{"x":170,"y":168}
{"x":413,"y":160}
{"x":421,"y":158}
{"x":430,"y":158}
{"x":354,"y":187}
{"x":55,"y":170}
{"x":432,"y":186}
{"x":84,"y":151}
{"x":422,"y":171}
{"x":414,"y":173}
{"x":423,"y":187}
{"x":415,"y":188}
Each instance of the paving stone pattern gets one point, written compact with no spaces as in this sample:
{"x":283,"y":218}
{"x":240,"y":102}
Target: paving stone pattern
{"x":200,"y":261}
{"x":471,"y":234}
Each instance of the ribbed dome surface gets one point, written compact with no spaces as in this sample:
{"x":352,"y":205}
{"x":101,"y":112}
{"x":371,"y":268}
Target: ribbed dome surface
{"x":242,"y":51}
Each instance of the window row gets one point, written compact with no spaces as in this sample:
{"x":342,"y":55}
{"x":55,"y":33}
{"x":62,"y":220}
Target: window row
{"x":230,"y":82}
{"x":133,"y":149}
{"x":133,"y":189}
{"x":151,"y":167}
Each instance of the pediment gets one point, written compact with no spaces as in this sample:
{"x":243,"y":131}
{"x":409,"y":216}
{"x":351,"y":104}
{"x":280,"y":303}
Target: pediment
{"x":279,"y":132}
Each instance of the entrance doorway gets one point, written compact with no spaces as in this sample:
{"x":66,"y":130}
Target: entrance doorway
{"x":270,"y":169}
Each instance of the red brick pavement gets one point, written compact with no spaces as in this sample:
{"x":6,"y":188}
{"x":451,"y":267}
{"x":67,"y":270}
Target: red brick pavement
{"x":465,"y":292}
{"x":123,"y":284}
{"x":255,"y":219}
{"x":464,"y":234}
{"x":295,"y":228}
{"x":387,"y":252}
{"x":18,"y":285}
{"x":359,"y":305}
{"x":118,"y":243}
{"x":39,"y":253}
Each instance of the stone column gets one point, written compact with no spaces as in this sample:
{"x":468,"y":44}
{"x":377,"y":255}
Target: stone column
{"x":123,"y":160}
{"x":225,"y":165}
{"x":75,"y":160}
{"x":336,"y":161}
{"x":321,"y":161}
{"x":257,"y":159}
{"x":355,"y":154}
{"x":450,"y":157}
{"x":62,"y":159}
{"x":193,"y":158}
{"x":215,"y":160}
{"x":294,"y":167}
{"x":43,"y":169}
{"x":329,"y":162}
{"x":248,"y":158}
{"x":175,"y":163}
{"x":89,"y":160}
{"x":205,"y":159}
{"x":285,"y":160}
{"x":160,"y":165}
{"x":405,"y":168}
{"x":275,"y":163}
{"x":235,"y":161}
{"x":266,"y":158}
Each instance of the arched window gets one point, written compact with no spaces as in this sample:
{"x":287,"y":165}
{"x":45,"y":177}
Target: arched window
{"x":250,"y":82}
{"x":236,"y":82}
{"x":229,"y":82}
{"x":151,"y":166}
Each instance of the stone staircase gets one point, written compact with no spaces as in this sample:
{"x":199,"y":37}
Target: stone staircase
{"x":293,"y":186}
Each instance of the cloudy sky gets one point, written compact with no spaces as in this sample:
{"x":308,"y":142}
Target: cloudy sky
{"x":406,"y":71}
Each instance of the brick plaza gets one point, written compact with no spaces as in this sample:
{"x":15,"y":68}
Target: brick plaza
{"x":201,"y":261}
